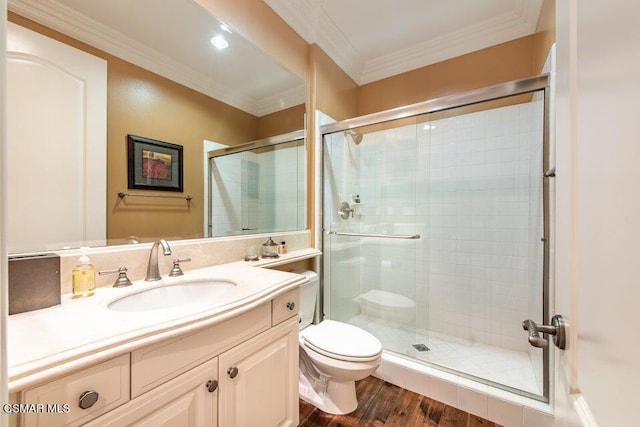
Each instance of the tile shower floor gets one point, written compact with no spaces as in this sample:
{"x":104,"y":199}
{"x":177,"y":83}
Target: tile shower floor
{"x":508,"y":367}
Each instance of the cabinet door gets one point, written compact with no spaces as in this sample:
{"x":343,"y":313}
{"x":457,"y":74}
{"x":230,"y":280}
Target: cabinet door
{"x":259,"y":380}
{"x":185,"y":401}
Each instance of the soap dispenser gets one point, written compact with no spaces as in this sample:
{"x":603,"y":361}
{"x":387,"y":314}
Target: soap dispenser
{"x":270,"y":249}
{"x":83,"y":277}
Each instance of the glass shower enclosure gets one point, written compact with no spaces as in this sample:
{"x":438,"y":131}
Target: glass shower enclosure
{"x":434,"y":232}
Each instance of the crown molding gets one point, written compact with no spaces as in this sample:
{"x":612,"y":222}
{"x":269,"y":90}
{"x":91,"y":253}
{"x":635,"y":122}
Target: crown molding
{"x":286,"y":99}
{"x":309,"y":19}
{"x":78,"y":26}
{"x":520,"y":22}
{"x":499,"y":29}
{"x":338,"y":47}
{"x":301,"y":15}
{"x":315,"y":26}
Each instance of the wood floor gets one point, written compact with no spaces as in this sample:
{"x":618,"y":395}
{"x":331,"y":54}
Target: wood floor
{"x":384,"y":404}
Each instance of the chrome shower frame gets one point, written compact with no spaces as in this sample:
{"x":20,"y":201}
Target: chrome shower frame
{"x":491,"y":93}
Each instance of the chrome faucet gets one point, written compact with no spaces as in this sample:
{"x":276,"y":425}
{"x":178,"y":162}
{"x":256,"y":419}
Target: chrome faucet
{"x":153,"y":273}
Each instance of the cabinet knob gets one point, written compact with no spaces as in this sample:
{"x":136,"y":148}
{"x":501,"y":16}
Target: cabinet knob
{"x":212,"y":385}
{"x":291,"y":305}
{"x":88,"y":399}
{"x":233,"y":372}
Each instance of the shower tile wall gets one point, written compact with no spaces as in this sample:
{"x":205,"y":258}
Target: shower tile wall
{"x":386,"y":177}
{"x":477,"y":258}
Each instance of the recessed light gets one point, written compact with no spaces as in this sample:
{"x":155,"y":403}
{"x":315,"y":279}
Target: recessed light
{"x":219,"y":42}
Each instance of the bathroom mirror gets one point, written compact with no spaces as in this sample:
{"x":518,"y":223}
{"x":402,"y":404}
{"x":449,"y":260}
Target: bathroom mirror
{"x":166,"y":82}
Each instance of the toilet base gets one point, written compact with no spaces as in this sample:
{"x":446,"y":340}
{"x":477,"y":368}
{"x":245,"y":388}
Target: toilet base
{"x":339,"y":399}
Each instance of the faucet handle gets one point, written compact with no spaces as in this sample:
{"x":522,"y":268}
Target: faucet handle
{"x":176,"y":270}
{"x":122,"y":279}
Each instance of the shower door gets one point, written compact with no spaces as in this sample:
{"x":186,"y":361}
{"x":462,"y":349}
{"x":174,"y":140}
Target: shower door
{"x":372,"y":232}
{"x":440,"y":253}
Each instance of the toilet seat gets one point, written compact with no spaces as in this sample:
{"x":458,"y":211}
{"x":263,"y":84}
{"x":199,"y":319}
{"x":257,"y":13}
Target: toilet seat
{"x":342,"y":341}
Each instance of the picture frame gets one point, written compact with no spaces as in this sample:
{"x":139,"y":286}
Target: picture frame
{"x":154,"y":165}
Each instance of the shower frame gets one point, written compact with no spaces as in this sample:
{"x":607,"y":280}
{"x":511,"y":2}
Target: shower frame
{"x":463,"y":99}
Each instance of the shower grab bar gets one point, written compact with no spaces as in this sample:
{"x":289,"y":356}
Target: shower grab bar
{"x":384,"y":236}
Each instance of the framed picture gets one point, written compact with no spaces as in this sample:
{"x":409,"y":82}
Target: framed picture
{"x":154,"y":165}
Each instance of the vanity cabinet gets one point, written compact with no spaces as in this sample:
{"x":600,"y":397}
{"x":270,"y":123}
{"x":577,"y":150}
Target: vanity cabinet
{"x":239,"y":372}
{"x":259,"y":380}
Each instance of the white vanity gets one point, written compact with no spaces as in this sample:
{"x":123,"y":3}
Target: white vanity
{"x":231,"y":360}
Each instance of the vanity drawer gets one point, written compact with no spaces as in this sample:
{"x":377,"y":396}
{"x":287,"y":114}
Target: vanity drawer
{"x":158,"y":363}
{"x":110,"y":380}
{"x":285,"y":306}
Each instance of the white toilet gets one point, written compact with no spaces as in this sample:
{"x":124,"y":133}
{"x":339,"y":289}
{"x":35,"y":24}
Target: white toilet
{"x":338,"y":355}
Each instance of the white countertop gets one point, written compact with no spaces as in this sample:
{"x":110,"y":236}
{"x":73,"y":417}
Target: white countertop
{"x":79,"y":332}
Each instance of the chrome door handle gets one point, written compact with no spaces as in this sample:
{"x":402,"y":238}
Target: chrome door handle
{"x":557,"y":329}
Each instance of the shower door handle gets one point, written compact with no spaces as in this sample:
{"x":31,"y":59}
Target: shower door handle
{"x":557,"y":329}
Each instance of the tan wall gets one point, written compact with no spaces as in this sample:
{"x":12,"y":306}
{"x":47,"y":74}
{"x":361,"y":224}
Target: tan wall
{"x":545,"y":35}
{"x":280,"y":122}
{"x":336,"y":92}
{"x":145,"y":104}
{"x":497,"y":64}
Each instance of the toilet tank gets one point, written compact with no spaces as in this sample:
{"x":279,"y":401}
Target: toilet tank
{"x":308,"y":297}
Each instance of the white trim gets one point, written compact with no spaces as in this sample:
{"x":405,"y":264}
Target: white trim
{"x":288,"y":98}
{"x":582,"y":410}
{"x":310,"y":20}
{"x":334,"y":43}
{"x":509,"y":26}
{"x":301,"y":15}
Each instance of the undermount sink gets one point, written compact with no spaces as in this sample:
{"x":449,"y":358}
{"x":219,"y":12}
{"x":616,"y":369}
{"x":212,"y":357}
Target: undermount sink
{"x":176,"y":294}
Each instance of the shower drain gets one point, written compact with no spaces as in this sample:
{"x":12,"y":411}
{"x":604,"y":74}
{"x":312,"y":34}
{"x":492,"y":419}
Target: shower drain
{"x":421,"y":347}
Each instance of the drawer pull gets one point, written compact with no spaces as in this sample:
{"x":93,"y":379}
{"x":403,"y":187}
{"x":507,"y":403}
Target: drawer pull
{"x":233,"y":372}
{"x":291,"y":305}
{"x":212,"y":385}
{"x":88,"y":399}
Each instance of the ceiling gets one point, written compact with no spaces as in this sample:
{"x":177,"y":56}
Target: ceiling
{"x":369,"y":39}
{"x":375,"y":39}
{"x":173,"y":41}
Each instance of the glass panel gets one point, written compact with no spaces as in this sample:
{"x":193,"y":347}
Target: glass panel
{"x":485,"y":249}
{"x":372,"y":268}
{"x":259,"y":191}
{"x":469,"y":181}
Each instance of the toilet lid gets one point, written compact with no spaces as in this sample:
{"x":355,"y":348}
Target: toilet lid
{"x":342,"y":341}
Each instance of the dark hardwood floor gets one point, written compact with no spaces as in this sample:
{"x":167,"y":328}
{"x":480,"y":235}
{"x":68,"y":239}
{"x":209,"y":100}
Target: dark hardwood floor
{"x":383,"y":404}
